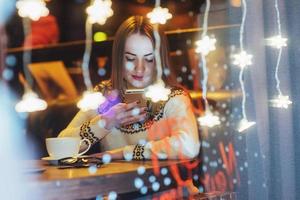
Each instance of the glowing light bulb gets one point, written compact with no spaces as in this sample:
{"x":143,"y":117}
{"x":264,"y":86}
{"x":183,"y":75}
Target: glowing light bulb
{"x":30,"y":103}
{"x":206,"y":45}
{"x":157,"y":92}
{"x":100,"y":36}
{"x":99,"y":11}
{"x":277,"y":41}
{"x":209,"y":120}
{"x":34,"y":9}
{"x":159,"y":15}
{"x":242,"y":59}
{"x":245,"y":124}
{"x":281,"y":102}
{"x":90,"y":100}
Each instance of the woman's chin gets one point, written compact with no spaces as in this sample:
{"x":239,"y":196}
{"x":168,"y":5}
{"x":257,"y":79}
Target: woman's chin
{"x":139,"y":84}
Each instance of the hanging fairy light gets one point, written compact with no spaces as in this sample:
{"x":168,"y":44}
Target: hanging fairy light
{"x":157,"y":91}
{"x":242,"y":60}
{"x":159,"y":15}
{"x":99,"y":11}
{"x":33,"y":9}
{"x":90,"y":100}
{"x":209,"y":119}
{"x":245,"y":124}
{"x":30,"y":101}
{"x":204,"y":47}
{"x":278,"y":42}
{"x":281,"y":102}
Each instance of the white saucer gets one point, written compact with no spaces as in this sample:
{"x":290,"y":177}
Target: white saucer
{"x":54,"y":161}
{"x":51,"y":160}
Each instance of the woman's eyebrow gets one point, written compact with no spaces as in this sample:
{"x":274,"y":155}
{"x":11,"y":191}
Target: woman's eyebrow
{"x":130,"y":53}
{"x":148,"y":54}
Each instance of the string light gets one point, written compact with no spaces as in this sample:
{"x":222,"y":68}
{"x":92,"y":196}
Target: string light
{"x":278,"y":42}
{"x":30,"y":103}
{"x":159,"y":15}
{"x":33,"y":9}
{"x":99,"y":11}
{"x":242,"y":60}
{"x":281,"y":102}
{"x":209,"y":119}
{"x":206,"y":45}
{"x":157,"y":91}
{"x":90,"y":101}
{"x":245,"y":124}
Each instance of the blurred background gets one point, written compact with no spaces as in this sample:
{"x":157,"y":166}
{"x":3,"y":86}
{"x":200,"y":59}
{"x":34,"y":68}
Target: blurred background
{"x":260,"y":163}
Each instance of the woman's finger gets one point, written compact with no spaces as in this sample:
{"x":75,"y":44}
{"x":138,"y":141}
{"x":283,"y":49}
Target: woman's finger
{"x":130,"y":106}
{"x":131,"y":113}
{"x":134,"y":119}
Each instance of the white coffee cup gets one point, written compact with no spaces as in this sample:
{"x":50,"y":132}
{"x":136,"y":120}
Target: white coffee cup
{"x":62,"y":147}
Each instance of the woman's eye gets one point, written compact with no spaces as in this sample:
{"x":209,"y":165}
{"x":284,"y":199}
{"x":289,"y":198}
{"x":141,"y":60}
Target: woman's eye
{"x":149,"y":60}
{"x":130,"y":59}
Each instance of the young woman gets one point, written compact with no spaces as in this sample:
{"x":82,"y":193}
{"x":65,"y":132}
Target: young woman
{"x":129,"y":131}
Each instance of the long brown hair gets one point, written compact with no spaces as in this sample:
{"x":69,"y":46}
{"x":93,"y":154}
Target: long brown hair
{"x":141,"y":25}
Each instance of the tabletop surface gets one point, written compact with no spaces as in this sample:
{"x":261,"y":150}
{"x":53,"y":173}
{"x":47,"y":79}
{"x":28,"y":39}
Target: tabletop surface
{"x":76,"y":183}
{"x":117,"y":176}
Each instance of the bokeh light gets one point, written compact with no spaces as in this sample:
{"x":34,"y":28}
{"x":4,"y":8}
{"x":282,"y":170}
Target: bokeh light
{"x":30,"y":103}
{"x":159,"y":15}
{"x":157,"y":92}
{"x":33,"y":9}
{"x":99,"y":11}
{"x":90,"y":100}
{"x":100,"y":36}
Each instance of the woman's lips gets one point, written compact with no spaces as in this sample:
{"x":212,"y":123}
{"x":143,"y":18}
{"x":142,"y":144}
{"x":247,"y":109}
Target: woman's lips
{"x":138,"y":78}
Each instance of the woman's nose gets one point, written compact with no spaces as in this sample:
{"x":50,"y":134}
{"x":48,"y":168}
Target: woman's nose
{"x":139,"y":67}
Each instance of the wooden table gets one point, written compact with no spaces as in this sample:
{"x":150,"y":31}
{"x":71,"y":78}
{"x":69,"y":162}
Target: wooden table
{"x":82,"y":183}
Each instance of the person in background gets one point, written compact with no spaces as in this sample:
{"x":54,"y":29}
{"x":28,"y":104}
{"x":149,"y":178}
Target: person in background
{"x":44,"y":31}
{"x":167,"y":130}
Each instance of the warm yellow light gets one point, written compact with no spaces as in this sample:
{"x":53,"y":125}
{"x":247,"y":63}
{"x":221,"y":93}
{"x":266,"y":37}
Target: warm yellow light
{"x":277,"y":41}
{"x":209,"y":120}
{"x":242,"y":59}
{"x":90,"y":101}
{"x":157,"y":92}
{"x":245,"y":124}
{"x":206,"y":45}
{"x":281,"y":102}
{"x":34,"y":9}
{"x":99,"y":11}
{"x":30,"y":103}
{"x":100,"y":36}
{"x":159,"y":15}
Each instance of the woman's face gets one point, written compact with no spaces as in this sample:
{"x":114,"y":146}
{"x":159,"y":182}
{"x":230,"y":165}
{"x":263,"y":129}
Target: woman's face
{"x":139,"y":64}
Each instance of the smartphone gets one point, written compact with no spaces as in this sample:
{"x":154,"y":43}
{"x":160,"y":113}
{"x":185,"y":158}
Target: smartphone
{"x":132,"y":95}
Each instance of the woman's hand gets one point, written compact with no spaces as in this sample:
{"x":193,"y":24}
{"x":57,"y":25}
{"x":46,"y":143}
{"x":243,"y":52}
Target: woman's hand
{"x":116,"y":154}
{"x":123,"y":114}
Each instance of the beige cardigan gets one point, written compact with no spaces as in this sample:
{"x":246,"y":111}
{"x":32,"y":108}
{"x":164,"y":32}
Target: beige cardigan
{"x":171,"y":134}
